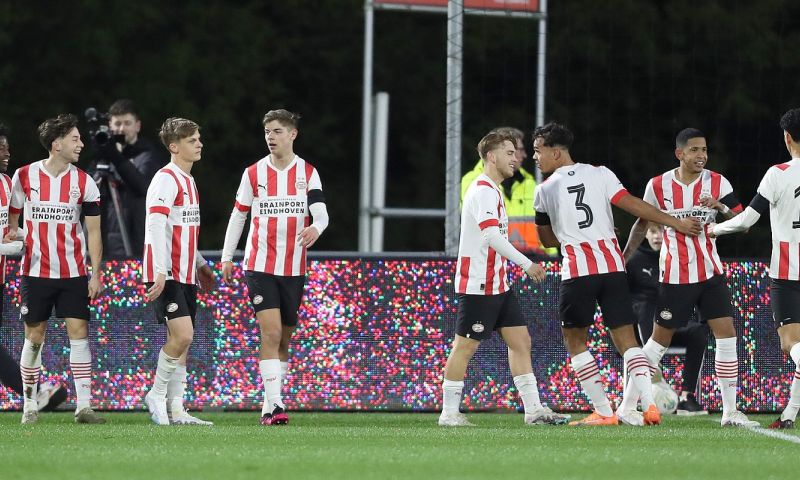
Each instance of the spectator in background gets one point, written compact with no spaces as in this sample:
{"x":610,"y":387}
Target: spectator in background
{"x":518,"y":197}
{"x":123,"y":170}
{"x":643,"y":281}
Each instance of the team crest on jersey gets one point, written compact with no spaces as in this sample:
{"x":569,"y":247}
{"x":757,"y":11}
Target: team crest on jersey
{"x":172,"y":307}
{"x":300,"y":185}
{"x":258,"y":299}
{"x":75,"y":192}
{"x":571,"y":173}
{"x":665,"y":315}
{"x":477,"y":327}
{"x":23,"y":310}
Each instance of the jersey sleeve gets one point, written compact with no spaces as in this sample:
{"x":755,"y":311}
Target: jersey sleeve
{"x":161,"y":194}
{"x":244,"y":196}
{"x":613,"y":187}
{"x":315,"y":194}
{"x":539,"y":205}
{"x":91,"y":199}
{"x":314,"y":183}
{"x":17,"y":194}
{"x":727,"y":197}
{"x":650,"y":194}
{"x":483,"y":208}
{"x":767,"y":187}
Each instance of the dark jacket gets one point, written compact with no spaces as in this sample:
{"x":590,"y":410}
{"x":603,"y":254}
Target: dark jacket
{"x":642,"y":271}
{"x":130,"y":172}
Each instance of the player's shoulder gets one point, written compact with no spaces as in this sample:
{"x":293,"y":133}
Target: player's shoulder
{"x":480,"y":186}
{"x":782,"y":167}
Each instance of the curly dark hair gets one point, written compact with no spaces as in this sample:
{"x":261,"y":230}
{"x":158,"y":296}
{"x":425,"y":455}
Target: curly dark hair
{"x":790,"y":122}
{"x":55,"y":128}
{"x":554,"y":134}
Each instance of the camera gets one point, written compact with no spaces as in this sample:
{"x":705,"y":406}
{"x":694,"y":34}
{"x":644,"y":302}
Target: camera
{"x":99,"y":131}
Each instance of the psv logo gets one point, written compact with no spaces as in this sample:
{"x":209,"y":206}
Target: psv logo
{"x":75,"y":193}
{"x":300,"y":185}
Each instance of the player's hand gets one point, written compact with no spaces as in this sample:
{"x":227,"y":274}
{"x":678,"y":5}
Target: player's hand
{"x":689,"y":226}
{"x":308,"y":236}
{"x":227,"y":273}
{"x":95,"y":286}
{"x":207,"y":279}
{"x":536,"y":272}
{"x":10,"y":236}
{"x":709,"y":202}
{"x":157,"y":287}
{"x":710,"y":230}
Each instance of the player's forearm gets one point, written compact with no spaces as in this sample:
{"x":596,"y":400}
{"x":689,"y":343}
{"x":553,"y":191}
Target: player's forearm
{"x":635,"y":238}
{"x":199,"y":259}
{"x":639,"y":208}
{"x":547,"y":237}
{"x":233,"y":233}
{"x":319,"y":212}
{"x":739,"y":223}
{"x":95,"y":248}
{"x":13,"y":221}
{"x":502,"y":246}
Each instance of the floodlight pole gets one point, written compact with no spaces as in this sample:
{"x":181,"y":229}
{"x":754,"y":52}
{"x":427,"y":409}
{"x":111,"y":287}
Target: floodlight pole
{"x":455,"y":55}
{"x":364,"y":224}
{"x":541,"y":72}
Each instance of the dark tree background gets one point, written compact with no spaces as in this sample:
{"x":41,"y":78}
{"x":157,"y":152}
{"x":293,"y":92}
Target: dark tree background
{"x":625,"y":75}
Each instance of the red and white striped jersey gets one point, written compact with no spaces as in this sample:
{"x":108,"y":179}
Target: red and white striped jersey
{"x":173,"y":193}
{"x":480,"y":270}
{"x":278,"y":204}
{"x":5,"y":202}
{"x":781,"y":188}
{"x":685,"y":259}
{"x":577,"y":200}
{"x":55,"y":246}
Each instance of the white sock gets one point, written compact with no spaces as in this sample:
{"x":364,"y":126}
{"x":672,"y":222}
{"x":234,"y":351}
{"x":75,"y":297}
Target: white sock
{"x":585,"y":368}
{"x":451,"y":396}
{"x":726,"y":364}
{"x":80,"y":362}
{"x":30,"y":364}
{"x":790,"y":412}
{"x":654,"y":352}
{"x":271,"y":378}
{"x":284,"y":371}
{"x":176,"y":388}
{"x":166,"y":367}
{"x":528,"y":392}
{"x":639,"y":384}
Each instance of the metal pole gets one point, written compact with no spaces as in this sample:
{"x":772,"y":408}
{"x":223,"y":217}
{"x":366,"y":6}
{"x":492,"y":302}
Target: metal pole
{"x":541,"y":72}
{"x":455,"y":30}
{"x":379,"y":144}
{"x":366,"y":132}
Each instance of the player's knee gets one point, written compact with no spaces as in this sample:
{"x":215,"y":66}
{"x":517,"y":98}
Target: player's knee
{"x":271,"y":337}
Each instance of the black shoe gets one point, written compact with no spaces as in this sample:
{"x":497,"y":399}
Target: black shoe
{"x":690,"y":407}
{"x":51,"y":396}
{"x":782,"y":424}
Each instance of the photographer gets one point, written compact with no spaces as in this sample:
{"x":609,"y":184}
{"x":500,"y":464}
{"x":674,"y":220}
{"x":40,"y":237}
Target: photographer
{"x":124,"y":166}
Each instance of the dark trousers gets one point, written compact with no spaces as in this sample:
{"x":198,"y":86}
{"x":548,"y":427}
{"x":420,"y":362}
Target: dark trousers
{"x":10,"y":375}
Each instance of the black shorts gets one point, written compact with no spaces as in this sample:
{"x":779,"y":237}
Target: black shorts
{"x":480,"y":315}
{"x":676,"y":302}
{"x":274,"y":291}
{"x":579,"y":297}
{"x":784,"y":298}
{"x":38,"y":296}
{"x":176,"y":300}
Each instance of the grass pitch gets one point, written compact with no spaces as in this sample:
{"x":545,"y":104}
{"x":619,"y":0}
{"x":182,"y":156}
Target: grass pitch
{"x":382,"y":445}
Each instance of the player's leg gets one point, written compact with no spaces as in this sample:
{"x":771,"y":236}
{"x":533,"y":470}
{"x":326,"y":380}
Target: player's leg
{"x":715,"y":305}
{"x":171,"y":308}
{"x":72,"y":304}
{"x":36,"y":303}
{"x":617,"y":308}
{"x":785,"y":300}
{"x":463,"y":349}
{"x":674,"y":305}
{"x":695,"y":338}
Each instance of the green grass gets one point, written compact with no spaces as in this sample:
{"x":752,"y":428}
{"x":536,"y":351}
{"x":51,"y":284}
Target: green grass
{"x":380,"y":445}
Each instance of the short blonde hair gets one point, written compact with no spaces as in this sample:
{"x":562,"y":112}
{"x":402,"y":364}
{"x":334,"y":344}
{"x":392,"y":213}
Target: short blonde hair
{"x":175,"y":129}
{"x":492,"y":140}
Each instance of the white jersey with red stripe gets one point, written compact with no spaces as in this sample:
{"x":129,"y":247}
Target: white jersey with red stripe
{"x":685,"y":259}
{"x":480,"y":270}
{"x":781,"y":188}
{"x":55,"y":246}
{"x":277,"y":200}
{"x":577,"y":200}
{"x":5,"y":202}
{"x":173,"y":193}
